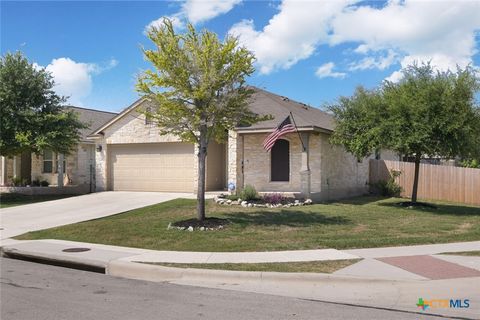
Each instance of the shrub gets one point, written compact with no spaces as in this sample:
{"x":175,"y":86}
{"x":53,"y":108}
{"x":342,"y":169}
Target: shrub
{"x":249,"y":193}
{"x":233,"y":197}
{"x":44,"y":183}
{"x":17,"y":182}
{"x":389,"y":188}
{"x":273,"y":198}
{"x":470,"y":163}
{"x":36,"y":183}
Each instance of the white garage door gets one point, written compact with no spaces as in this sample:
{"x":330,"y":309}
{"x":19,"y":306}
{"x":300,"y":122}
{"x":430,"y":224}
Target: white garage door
{"x":152,"y":167}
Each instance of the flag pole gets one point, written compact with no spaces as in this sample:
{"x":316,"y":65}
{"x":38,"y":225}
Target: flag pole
{"x":296,"y":128}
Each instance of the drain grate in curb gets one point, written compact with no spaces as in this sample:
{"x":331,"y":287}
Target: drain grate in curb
{"x":76,"y":250}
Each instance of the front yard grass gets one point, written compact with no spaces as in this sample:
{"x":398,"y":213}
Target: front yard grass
{"x":362,"y":222}
{"x":14,"y":199}
{"x":308,"y":266}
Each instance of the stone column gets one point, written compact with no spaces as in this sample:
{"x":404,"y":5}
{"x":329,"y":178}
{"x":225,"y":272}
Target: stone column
{"x":4,"y":177}
{"x":305,"y":174}
{"x":60,"y":168}
{"x":234,"y":161}
{"x":15,"y":163}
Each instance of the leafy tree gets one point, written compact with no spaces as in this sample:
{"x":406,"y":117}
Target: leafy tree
{"x":31,"y":114}
{"x":426,"y":113}
{"x":198,"y":89}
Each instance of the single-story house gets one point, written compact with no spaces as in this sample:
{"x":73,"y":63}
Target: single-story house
{"x":126,"y":152}
{"x":132,"y":155}
{"x":78,"y":166}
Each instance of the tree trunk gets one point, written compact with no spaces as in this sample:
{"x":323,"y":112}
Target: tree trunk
{"x":202,"y":155}
{"x":415,"y":179}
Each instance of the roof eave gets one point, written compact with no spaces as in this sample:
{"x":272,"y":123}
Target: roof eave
{"x":300,"y":129}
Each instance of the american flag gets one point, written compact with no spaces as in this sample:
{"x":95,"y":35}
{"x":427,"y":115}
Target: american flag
{"x":285,"y":127}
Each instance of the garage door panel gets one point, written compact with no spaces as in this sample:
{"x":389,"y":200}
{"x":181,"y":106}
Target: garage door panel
{"x":152,"y":167}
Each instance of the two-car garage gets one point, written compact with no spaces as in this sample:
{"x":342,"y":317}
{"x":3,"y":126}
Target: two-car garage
{"x":167,"y":166}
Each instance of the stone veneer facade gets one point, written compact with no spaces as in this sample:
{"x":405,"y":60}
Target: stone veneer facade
{"x":333,"y":173}
{"x":79,"y":164}
{"x":131,"y":128}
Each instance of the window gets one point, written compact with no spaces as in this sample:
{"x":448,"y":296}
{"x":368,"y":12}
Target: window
{"x":47,"y":161}
{"x":148,"y":118}
{"x":280,"y":161}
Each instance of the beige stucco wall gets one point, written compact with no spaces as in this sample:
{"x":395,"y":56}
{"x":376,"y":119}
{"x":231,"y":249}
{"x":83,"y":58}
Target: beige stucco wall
{"x":215,"y":166}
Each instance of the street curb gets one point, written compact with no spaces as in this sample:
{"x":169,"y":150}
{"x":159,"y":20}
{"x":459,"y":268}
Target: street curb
{"x":156,"y":273}
{"x":52,"y":259}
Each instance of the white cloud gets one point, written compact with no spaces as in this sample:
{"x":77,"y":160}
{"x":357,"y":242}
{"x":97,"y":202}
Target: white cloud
{"x":372,"y":62}
{"x":291,"y":35}
{"x":196,"y":11}
{"x":74,"y":79}
{"x":442,"y":32}
{"x":176,"y":19}
{"x":326,"y":70}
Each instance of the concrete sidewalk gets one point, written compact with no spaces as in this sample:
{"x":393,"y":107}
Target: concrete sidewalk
{"x":43,"y":215}
{"x":370,"y":282}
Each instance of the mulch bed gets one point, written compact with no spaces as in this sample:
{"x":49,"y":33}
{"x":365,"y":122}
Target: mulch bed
{"x":409,"y":204}
{"x":212,"y":223}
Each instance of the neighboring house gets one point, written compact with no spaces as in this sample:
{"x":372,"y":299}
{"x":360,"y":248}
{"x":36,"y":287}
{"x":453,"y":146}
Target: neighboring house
{"x":78,"y":165}
{"x":131,"y":155}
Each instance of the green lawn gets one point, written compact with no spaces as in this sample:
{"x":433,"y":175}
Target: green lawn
{"x":14,"y":199}
{"x":357,"y":223}
{"x":308,"y":266}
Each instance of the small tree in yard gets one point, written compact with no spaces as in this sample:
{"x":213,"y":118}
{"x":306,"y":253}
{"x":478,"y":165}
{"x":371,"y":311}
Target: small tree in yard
{"x":425,"y":113}
{"x":198,"y":89}
{"x":31,"y":114}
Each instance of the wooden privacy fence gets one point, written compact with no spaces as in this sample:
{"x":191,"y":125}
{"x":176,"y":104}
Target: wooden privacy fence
{"x":435,"y":182}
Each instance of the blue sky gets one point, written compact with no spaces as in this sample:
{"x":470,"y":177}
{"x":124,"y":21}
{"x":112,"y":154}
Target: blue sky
{"x":311,"y":51}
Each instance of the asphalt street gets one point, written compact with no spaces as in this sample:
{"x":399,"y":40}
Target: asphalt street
{"x":41,"y":292}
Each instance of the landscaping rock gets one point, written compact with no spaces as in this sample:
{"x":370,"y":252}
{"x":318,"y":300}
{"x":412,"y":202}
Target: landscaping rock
{"x":169,"y":226}
{"x":190,"y":229}
{"x":229,"y":201}
{"x":244,"y":204}
{"x":202,"y":228}
{"x":249,"y":205}
{"x":308,"y":202}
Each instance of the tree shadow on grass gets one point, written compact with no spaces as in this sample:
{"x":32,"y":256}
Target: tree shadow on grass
{"x":441,"y":209}
{"x":287,"y":218}
{"x":359,"y":201}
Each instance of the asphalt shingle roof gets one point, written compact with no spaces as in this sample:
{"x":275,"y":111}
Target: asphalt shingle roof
{"x":264,"y":103}
{"x":93,"y":118}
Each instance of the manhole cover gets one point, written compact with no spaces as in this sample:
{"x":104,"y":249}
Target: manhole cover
{"x":76,"y":250}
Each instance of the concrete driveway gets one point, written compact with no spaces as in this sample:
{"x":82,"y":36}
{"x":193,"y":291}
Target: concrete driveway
{"x":37,"y":216}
